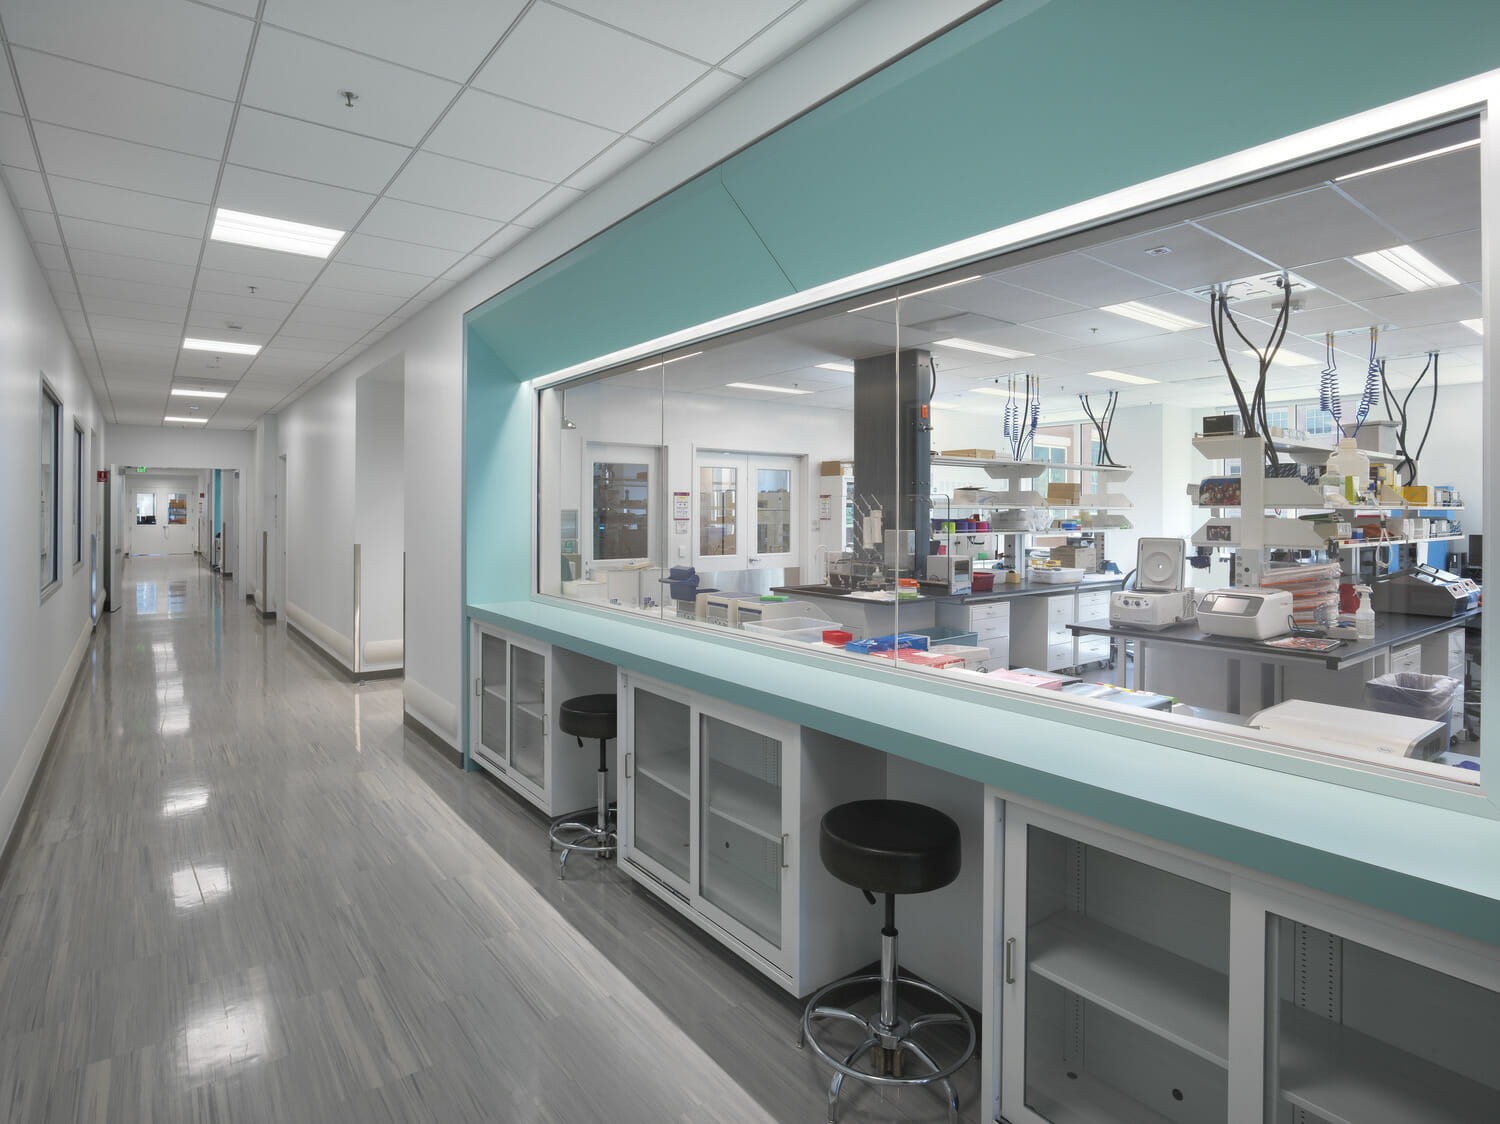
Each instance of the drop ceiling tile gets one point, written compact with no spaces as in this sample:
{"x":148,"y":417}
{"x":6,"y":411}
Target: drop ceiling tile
{"x":412,"y":222}
{"x":624,"y":152}
{"x":68,"y":302}
{"x":571,"y":65}
{"x":233,"y":305}
{"x":705,"y":29}
{"x":1195,"y":258}
{"x":211,"y":324}
{"x":42,"y":226}
{"x":27,"y":189}
{"x":548,"y":207}
{"x":10,"y":101}
{"x":1426,"y":199}
{"x":253,"y":263}
{"x":233,"y":285}
{"x":1447,"y":305}
{"x":167,"y":41}
{"x":313,"y":322}
{"x":135,"y":310}
{"x":61,"y":92}
{"x":287,"y":146}
{"x":346,"y":276}
{"x":386,"y":253}
{"x":1347,"y":280}
{"x":1082,"y":280}
{"x":998,"y":301}
{"x":247,"y":8}
{"x":16,"y":149}
{"x":322,"y":296}
{"x":124,"y":329}
{"x":301,"y":77}
{"x":282,"y":197}
{"x":450,"y":42}
{"x":60,"y":279}
{"x":81,"y":199}
{"x":92,"y":263}
{"x":1296,"y":230}
{"x":698,"y":98}
{"x":54,"y":260}
{"x":465,"y":267}
{"x":1459,"y":254}
{"x":506,"y":134}
{"x":137,"y":167}
{"x":307,"y":349}
{"x":501,"y":241}
{"x":456,"y":185}
{"x":802,"y":23}
{"x":108,"y":238}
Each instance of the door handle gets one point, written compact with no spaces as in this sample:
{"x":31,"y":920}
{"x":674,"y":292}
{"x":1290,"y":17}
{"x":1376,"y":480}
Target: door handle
{"x":785,"y":839}
{"x":1010,"y":960}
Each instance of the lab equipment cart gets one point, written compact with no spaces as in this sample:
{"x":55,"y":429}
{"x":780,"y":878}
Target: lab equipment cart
{"x":719,"y":815}
{"x":517,"y":685}
{"x":1133,"y":980}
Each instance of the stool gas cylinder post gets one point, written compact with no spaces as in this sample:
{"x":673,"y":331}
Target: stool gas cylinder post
{"x":588,"y":716}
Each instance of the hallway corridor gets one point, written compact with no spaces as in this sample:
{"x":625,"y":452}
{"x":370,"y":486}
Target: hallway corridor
{"x":244,"y":892}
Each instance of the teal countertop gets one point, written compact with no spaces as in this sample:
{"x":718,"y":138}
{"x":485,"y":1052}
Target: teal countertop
{"x":1430,"y":863}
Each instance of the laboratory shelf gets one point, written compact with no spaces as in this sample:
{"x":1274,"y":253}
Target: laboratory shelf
{"x":1172,"y":997}
{"x":1345,"y":544}
{"x":754,"y":904}
{"x":1231,"y":447}
{"x":495,"y":692}
{"x":1346,"y":1077}
{"x":998,"y":469}
{"x":668,"y":772}
{"x":1288,"y":534}
{"x":532,"y":708}
{"x":742,"y":799}
{"x":1064,"y":1094}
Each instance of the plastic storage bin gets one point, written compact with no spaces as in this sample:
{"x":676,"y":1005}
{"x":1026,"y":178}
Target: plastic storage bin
{"x":1413,"y":694}
{"x":804,"y":630}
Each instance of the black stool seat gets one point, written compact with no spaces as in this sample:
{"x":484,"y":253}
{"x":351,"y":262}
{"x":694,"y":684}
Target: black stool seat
{"x":588,"y":716}
{"x":890,"y":846}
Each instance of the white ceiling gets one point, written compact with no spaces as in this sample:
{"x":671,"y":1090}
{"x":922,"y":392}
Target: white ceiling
{"x":123,"y":125}
{"x":1052,"y":307}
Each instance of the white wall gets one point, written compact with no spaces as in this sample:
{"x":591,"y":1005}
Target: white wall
{"x":379,"y":518}
{"x":431,"y":346}
{"x":262,"y":519}
{"x":41,"y":641}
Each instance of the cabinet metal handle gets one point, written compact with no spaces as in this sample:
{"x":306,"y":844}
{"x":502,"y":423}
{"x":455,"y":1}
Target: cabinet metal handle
{"x":628,"y":756}
{"x":1010,"y":960}
{"x":479,"y":686}
{"x":785,"y":839}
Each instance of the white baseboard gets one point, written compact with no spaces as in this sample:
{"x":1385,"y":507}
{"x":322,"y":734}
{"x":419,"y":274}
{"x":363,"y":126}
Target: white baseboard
{"x":335,"y":643}
{"x":13,"y":795}
{"x":432,"y":710}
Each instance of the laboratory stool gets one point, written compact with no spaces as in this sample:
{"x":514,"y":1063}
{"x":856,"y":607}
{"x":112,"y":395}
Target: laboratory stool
{"x":889,"y":847}
{"x":594,"y":717}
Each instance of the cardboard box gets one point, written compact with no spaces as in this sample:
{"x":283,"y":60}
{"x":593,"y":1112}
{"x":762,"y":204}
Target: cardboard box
{"x":1085,"y":558}
{"x":1419,"y":495}
{"x":981,"y":454}
{"x":1066,"y":492}
{"x":833,"y":468}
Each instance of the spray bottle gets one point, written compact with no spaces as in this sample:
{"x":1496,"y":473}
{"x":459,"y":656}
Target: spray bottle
{"x":1364,"y":616}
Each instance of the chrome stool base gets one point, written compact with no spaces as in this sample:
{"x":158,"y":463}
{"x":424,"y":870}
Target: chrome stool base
{"x":888,"y":1036}
{"x":570,"y":833}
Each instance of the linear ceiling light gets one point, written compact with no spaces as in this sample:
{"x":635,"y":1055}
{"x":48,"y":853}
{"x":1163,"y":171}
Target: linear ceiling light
{"x":274,"y":234}
{"x":767,"y":389}
{"x":1135,"y":310}
{"x":664,"y":362}
{"x":919,"y":292}
{"x":842,"y":368}
{"x":1121,"y":376}
{"x":1408,"y":160}
{"x":225,"y":347}
{"x":983,"y":348}
{"x":1403,"y":266}
{"x":200,"y":393}
{"x":1475,"y":326}
{"x":190,"y":421}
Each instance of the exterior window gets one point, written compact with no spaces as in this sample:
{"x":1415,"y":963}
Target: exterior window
{"x":50,"y":448}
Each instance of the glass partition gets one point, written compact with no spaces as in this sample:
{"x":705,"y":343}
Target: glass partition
{"x":1040,"y":473}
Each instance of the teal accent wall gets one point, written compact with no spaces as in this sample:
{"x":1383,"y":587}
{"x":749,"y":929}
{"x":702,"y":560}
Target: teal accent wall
{"x":497,"y":468}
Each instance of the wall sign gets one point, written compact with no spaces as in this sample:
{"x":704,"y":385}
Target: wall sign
{"x":825,"y":507}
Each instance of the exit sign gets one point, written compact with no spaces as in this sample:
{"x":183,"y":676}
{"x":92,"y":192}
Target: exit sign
{"x":140,"y":468}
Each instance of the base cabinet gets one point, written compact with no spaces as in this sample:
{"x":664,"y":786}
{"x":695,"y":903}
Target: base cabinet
{"x":517,"y":685}
{"x":1137,"y":982}
{"x":1040,"y":637}
{"x":719,"y":814}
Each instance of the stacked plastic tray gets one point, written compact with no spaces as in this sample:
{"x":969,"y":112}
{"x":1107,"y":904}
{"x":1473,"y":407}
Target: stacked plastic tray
{"x":1314,"y":587}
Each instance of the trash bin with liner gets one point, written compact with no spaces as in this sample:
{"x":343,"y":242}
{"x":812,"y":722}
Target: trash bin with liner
{"x":1415,"y":695}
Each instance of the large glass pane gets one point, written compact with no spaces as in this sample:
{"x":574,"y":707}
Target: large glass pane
{"x":1127,"y":992}
{"x":662,"y":816}
{"x":773,"y":511}
{"x":718,"y":511}
{"x":177,"y":509}
{"x":528,"y":713}
{"x":620,"y":496}
{"x":1356,"y":1034}
{"x":741,"y":802}
{"x":50,"y":449}
{"x":145,"y":507}
{"x":492,"y":709}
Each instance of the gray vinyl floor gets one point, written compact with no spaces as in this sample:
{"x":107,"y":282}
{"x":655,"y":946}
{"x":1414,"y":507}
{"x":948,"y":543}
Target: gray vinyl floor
{"x":245,"y":892}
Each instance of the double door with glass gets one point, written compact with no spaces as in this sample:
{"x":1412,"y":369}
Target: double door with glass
{"x":748,"y":511}
{"x":711,"y":797}
{"x":1119,"y":964}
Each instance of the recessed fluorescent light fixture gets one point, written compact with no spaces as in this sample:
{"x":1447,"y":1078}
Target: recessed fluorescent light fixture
{"x":664,"y":362}
{"x":224,"y":347}
{"x":767,"y":389}
{"x":842,"y":368}
{"x":1286,"y":359}
{"x":1475,"y":326}
{"x":1135,"y":310}
{"x":1121,"y":376}
{"x":919,"y":292}
{"x":983,"y":348}
{"x":274,"y":234}
{"x":199,"y":393}
{"x":1403,"y":266}
{"x":1409,"y":160}
{"x":191,"y":421}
